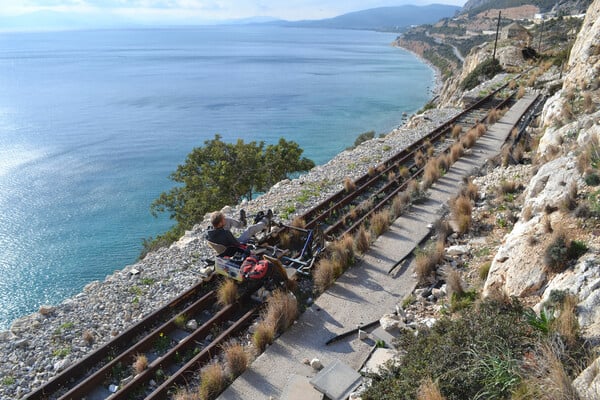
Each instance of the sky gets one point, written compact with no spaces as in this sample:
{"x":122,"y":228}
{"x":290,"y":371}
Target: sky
{"x":206,"y":9}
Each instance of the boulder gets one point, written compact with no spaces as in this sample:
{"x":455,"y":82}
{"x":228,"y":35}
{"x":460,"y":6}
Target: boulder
{"x":587,"y":384}
{"x":516,"y":269}
{"x":550,"y":186}
{"x":583,"y":281}
{"x":389,"y":322}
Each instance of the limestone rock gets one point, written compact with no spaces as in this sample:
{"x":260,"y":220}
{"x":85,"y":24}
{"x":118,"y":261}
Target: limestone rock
{"x":389,"y":322}
{"x":584,"y":282}
{"x":516,"y":266}
{"x":587,"y":384}
{"x":550,"y":186}
{"x":316,"y":364}
{"x":191,"y":325}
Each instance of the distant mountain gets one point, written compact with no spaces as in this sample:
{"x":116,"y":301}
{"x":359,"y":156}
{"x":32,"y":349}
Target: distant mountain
{"x":384,"y":18}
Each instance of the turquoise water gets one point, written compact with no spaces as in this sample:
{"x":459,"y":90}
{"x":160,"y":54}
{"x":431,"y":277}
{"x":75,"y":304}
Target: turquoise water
{"x":93,"y":122}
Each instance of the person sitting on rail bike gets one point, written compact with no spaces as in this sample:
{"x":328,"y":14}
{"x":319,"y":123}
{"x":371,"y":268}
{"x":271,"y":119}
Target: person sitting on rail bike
{"x":220,"y":234}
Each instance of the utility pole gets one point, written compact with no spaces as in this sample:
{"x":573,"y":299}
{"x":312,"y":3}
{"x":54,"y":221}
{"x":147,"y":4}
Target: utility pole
{"x":497,"y":30}
{"x":540,"y":38}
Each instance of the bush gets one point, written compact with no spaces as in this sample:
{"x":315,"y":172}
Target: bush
{"x":476,"y":356}
{"x":561,"y":250}
{"x":363,"y":137}
{"x":484,"y":71}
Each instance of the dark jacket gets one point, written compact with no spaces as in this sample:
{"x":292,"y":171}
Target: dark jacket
{"x":222,"y":236}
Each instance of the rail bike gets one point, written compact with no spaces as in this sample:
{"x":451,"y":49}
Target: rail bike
{"x":269,"y":261}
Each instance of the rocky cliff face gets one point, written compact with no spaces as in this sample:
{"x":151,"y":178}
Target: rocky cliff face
{"x":569,"y":124}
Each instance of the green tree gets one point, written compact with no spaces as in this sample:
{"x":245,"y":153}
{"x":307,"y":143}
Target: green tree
{"x":220,"y":173}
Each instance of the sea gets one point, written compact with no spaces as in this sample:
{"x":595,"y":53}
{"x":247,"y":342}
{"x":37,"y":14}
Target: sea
{"x":93,"y":122}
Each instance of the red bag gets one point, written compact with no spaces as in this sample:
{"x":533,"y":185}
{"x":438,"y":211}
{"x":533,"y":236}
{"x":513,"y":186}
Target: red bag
{"x":254,"y":269}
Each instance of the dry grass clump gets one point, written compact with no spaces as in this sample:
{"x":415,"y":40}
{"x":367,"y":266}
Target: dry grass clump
{"x":341,"y":253}
{"x":227,"y":292}
{"x":456,"y":131}
{"x":456,"y":152}
{"x":263,"y":336}
{"x":589,"y":155}
{"x":380,"y":222}
{"x":569,"y":203}
{"x":469,"y":139}
{"x":404,"y":172}
{"x":507,"y":187}
{"x":140,"y":363}
{"x":432,"y":173}
{"x":461,"y":211}
{"x":493,"y":116}
{"x":470,"y":190}
{"x":88,"y":337}
{"x":323,"y":275}
{"x":420,"y":158}
{"x":548,"y":379}
{"x":372,"y":171}
{"x":299,"y":222}
{"x":454,"y":282}
{"x":429,"y":390}
{"x":521,"y":92}
{"x":547,"y":223}
{"x":518,"y":152}
{"x":185,"y":394}
{"x":391,"y":176}
{"x":505,"y":155}
{"x":427,"y":259}
{"x":413,"y":189}
{"x":362,"y":240}
{"x":349,"y":185}
{"x":588,"y":103}
{"x":281,"y":311}
{"x":212,"y":381}
{"x":484,"y":270}
{"x":481,"y":129}
{"x":236,"y":358}
{"x":566,"y":323}
{"x":527,"y":213}
{"x":400,"y":204}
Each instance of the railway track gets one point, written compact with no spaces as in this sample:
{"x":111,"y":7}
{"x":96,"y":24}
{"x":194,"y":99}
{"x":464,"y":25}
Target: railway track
{"x":345,"y":211}
{"x":175,"y":351}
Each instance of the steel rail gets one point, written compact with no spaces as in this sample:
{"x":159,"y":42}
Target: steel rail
{"x":81,"y":368}
{"x":128,"y":356}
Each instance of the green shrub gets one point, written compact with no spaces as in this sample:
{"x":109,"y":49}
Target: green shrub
{"x":475,"y":356}
{"x":460,"y":301}
{"x":484,"y":71}
{"x":363,"y":137}
{"x":592,"y":179}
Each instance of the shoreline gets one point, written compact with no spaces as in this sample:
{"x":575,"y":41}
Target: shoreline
{"x":438,"y":82}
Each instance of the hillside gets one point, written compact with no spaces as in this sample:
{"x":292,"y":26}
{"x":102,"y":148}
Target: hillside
{"x":384,"y":18}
